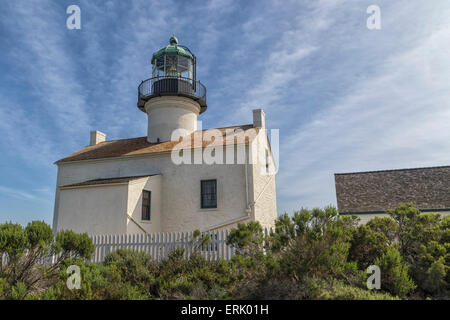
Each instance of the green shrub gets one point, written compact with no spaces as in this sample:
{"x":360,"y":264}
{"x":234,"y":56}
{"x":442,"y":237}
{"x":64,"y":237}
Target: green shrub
{"x":366,"y":246}
{"x":247,"y":238}
{"x":13,"y":240}
{"x":39,"y":235}
{"x":24,"y":249}
{"x":134,"y":267}
{"x":394,"y":273}
{"x":73,"y":245}
{"x":434,"y":280}
{"x":338,"y":290}
{"x":386,"y":225}
{"x":4,"y":288}
{"x":19,"y":291}
{"x":314,"y":254}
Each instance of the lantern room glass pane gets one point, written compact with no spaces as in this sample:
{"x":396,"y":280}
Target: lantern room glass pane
{"x":185,"y":67}
{"x":158,"y":68}
{"x":171,"y":66}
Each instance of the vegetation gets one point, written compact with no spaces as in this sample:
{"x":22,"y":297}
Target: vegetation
{"x":22,"y":251}
{"x":314,"y":254}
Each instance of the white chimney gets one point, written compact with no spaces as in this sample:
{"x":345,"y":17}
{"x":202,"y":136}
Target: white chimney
{"x":259,"y":118}
{"x":97,"y":137}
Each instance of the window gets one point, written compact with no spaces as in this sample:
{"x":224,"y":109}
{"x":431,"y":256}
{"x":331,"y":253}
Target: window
{"x":208,"y":194}
{"x":267,"y":161}
{"x":146,"y":205}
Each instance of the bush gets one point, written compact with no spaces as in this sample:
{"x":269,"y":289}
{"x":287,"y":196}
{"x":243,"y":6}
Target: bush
{"x":320,"y":245}
{"x":19,"y":291}
{"x":315,"y":254}
{"x":367,"y":245}
{"x":434,"y":281}
{"x":247,"y":238}
{"x":25,"y":247}
{"x":338,"y":290}
{"x":394,"y":273}
{"x":73,"y":245}
{"x":4,"y":288}
{"x":134,"y":267}
{"x":194,"y":278}
{"x":13,"y":240}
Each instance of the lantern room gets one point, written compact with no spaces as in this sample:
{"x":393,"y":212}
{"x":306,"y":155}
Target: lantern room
{"x":173,"y":73}
{"x":174,"y":61}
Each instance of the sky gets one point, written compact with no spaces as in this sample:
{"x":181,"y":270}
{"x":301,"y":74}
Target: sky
{"x":344,"y":98}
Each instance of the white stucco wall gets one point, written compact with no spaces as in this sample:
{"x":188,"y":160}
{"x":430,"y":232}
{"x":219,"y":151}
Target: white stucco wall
{"x":180,"y":188}
{"x":134,"y":207}
{"x":264,"y":187}
{"x":95,"y":210}
{"x":364,"y":218}
{"x":179,"y":193}
{"x":168,"y":113}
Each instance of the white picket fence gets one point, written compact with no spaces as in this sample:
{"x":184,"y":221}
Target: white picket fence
{"x":159,"y":245}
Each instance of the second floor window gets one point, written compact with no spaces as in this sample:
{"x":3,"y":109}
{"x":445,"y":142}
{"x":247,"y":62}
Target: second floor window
{"x":146,"y":205}
{"x":208,"y":194}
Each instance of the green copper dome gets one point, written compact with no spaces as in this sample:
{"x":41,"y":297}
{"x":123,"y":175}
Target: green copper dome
{"x":172,"y":49}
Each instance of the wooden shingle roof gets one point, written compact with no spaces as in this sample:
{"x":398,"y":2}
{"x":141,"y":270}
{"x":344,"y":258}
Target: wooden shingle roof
{"x":378,"y":191}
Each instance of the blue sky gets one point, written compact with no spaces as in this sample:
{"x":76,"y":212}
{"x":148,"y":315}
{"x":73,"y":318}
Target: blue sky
{"x":345,"y":98}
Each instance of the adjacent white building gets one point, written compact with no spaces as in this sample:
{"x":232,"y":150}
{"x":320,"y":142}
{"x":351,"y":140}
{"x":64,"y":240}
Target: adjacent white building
{"x":178,"y":177}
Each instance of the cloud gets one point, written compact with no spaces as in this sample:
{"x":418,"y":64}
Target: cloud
{"x":397,"y":117}
{"x":16,"y":193}
{"x":344,"y":98}
{"x":52,"y":98}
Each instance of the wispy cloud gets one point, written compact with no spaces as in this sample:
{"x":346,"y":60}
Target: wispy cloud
{"x":16,"y":193}
{"x":344,"y":98}
{"x":53,"y":101}
{"x":397,"y":117}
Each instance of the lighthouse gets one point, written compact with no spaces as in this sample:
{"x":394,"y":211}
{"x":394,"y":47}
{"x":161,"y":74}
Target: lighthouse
{"x":134,"y":186}
{"x":172,"y":98}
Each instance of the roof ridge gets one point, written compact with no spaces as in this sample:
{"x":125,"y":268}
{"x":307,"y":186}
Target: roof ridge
{"x":242,"y":125}
{"x":391,"y":170}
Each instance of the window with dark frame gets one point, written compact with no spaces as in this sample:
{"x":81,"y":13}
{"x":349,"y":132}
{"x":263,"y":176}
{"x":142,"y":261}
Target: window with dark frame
{"x":208,"y":194}
{"x":146,"y":205}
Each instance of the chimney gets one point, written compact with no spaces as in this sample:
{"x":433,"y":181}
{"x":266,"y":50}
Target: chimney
{"x":259,"y":118}
{"x":97,"y":137}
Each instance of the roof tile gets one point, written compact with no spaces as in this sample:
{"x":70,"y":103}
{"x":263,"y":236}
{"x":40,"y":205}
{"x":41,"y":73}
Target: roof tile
{"x":139,"y":146}
{"x":379,"y":191}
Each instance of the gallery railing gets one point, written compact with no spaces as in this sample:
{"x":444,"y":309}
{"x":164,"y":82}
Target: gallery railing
{"x":160,"y":86}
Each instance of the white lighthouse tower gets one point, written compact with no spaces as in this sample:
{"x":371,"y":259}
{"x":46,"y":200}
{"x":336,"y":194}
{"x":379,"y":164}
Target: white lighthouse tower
{"x":172,"y":98}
